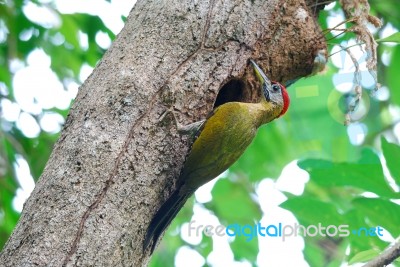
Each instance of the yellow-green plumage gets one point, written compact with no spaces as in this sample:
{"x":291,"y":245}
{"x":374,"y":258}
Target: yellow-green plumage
{"x":223,"y":138}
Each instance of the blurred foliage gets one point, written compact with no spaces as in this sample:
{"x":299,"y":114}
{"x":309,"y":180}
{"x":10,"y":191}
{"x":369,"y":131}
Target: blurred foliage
{"x":344,"y":202}
{"x":343,"y":173}
{"x":19,"y":36}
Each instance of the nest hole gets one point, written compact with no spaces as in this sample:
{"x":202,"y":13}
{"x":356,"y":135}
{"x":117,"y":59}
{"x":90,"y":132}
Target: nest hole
{"x":232,"y":91}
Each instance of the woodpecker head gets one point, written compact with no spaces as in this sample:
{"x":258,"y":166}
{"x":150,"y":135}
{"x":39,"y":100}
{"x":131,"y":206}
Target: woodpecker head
{"x":273,"y":92}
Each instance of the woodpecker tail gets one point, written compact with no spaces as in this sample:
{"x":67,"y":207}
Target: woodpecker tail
{"x":163,"y":218}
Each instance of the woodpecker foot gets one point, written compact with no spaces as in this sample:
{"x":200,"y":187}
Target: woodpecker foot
{"x":190,"y":129}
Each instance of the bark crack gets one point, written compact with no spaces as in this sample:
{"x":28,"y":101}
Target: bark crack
{"x":110,"y":179}
{"x":207,"y":25}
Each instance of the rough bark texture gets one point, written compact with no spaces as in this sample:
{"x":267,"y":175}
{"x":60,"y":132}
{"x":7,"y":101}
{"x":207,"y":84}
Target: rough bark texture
{"x":386,"y":257}
{"x":116,"y":160}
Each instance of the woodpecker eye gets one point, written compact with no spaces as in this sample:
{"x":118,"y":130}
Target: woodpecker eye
{"x":276,"y":87}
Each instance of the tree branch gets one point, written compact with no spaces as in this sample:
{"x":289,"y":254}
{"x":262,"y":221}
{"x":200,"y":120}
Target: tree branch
{"x":386,"y":257}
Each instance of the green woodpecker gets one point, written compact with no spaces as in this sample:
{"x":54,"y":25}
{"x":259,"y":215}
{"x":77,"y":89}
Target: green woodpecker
{"x":223,"y":138}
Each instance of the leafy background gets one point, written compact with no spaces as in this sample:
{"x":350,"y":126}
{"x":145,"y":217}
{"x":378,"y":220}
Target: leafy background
{"x":353,"y":172}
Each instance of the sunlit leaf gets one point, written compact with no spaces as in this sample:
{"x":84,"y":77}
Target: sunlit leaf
{"x":358,"y":240}
{"x":366,"y":174}
{"x":392,"y":156}
{"x":394,"y":38}
{"x":232,"y":203}
{"x":393,"y":80}
{"x":364,"y":256}
{"x":312,"y":211}
{"x":378,"y":211}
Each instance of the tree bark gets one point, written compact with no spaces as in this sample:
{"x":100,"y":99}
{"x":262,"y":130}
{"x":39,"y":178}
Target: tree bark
{"x":386,"y":257}
{"x":118,"y":157}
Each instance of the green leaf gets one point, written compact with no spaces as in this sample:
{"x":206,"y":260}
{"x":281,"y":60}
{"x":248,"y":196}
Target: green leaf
{"x":366,"y":174}
{"x":313,"y":254}
{"x":69,"y":29}
{"x":309,"y":211}
{"x":356,"y":219}
{"x":364,"y":256}
{"x":394,"y":38}
{"x":393,"y":80}
{"x":232,"y":203}
{"x":392,"y":156}
{"x":245,"y":249}
{"x":383,"y":213}
{"x":8,"y":216}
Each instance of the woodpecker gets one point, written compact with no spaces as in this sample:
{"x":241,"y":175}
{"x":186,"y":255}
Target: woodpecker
{"x":222,"y":139}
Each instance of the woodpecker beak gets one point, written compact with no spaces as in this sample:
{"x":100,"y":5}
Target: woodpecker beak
{"x":265,"y":82}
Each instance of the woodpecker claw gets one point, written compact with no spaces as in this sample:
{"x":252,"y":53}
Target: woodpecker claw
{"x":190,"y":129}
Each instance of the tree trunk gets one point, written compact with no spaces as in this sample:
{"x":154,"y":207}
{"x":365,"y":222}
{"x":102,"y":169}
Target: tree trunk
{"x":118,"y":157}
